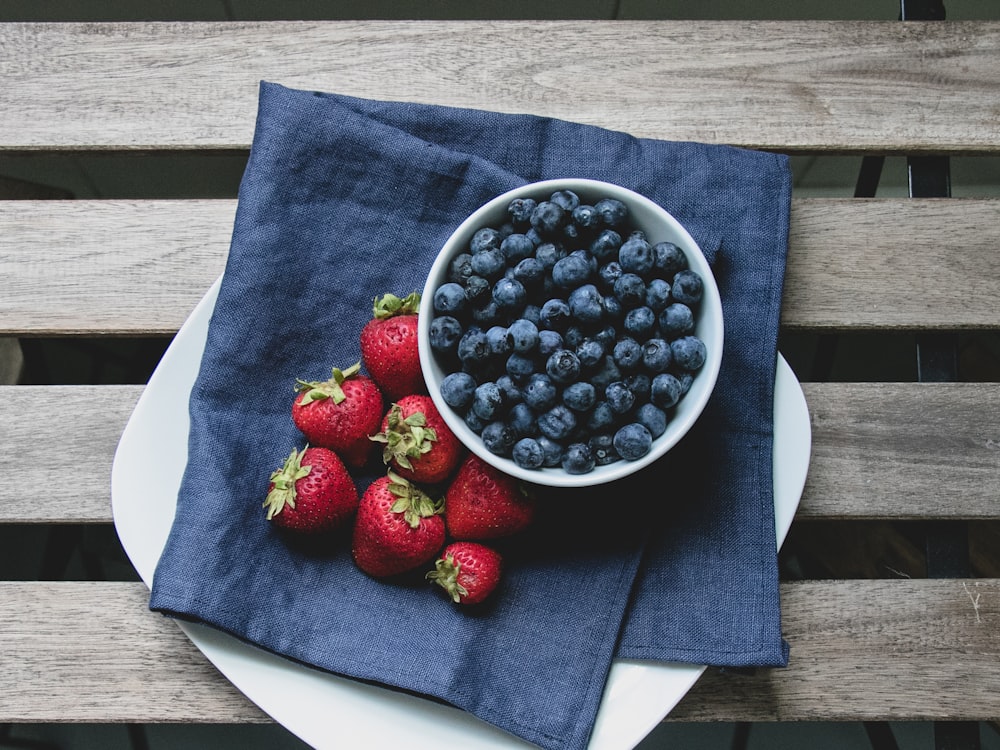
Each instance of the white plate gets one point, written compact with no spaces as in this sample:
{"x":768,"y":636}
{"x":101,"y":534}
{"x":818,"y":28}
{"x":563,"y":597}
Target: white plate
{"x":145,"y":478}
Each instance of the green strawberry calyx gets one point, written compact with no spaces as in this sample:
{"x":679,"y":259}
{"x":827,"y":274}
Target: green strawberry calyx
{"x":317,"y":391}
{"x":405,"y":438}
{"x":283,"y":480}
{"x":389,"y":305}
{"x":412,"y":502}
{"x":445,"y":575}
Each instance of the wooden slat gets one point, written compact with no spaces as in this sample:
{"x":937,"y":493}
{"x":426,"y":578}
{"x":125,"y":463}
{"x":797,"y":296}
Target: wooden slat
{"x":880,"y":451}
{"x":790,"y":85}
{"x":896,"y":650}
{"x":139,"y":267}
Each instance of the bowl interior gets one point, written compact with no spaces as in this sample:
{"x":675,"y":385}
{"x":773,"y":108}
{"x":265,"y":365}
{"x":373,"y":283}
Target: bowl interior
{"x":659,"y":226}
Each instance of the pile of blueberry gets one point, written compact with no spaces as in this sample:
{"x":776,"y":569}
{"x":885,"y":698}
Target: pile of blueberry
{"x":568,"y":337}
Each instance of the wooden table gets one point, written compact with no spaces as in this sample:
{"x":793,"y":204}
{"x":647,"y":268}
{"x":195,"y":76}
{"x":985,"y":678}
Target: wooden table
{"x":870,"y":644}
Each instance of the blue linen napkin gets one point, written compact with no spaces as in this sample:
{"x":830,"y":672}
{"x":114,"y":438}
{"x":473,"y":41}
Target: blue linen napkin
{"x":344,"y":199}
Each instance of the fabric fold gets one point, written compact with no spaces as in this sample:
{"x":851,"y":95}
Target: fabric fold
{"x":344,"y":199}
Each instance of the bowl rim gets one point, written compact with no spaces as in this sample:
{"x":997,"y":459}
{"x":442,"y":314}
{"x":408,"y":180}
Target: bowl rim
{"x":710,"y":327}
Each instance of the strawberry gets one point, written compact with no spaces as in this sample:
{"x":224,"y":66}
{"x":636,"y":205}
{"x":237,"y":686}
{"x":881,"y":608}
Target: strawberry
{"x":468,"y":571}
{"x":389,"y":346}
{"x":311,"y":493}
{"x":482,"y":502}
{"x":398,"y":528}
{"x":340,"y":413}
{"x":417,"y":443}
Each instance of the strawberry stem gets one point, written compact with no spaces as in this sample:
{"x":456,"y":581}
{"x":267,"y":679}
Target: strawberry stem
{"x":283,"y":480}
{"x":412,"y":502}
{"x":389,"y":305}
{"x":318,"y":390}
{"x":405,"y":438}
{"x":445,"y":575}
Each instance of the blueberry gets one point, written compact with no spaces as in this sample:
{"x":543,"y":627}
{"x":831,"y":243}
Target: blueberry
{"x":601,"y":417}
{"x":585,"y":304}
{"x":689,"y":352}
{"x":551,"y":451}
{"x":486,"y":315}
{"x":511,"y":392}
{"x":619,"y":397}
{"x":602,"y":447}
{"x":668,"y":259}
{"x":612,"y":307}
{"x":528,"y":454}
{"x":474,"y":421}
{"x":686,"y":379}
{"x":521,"y":419}
{"x":612,"y":211}
{"x":485,"y":238}
{"x":477,"y":290}
{"x":556,"y":314}
{"x":570,"y":272}
{"x":676,"y":320}
{"x":460,"y":268}
{"x":487,"y":401}
{"x":489,"y":263}
{"x":652,"y":418}
{"x":540,"y":393}
{"x":547,"y":217}
{"x":509,"y":294}
{"x":590,"y":351}
{"x":498,"y":438}
{"x":640,"y":384}
{"x":665,"y":391}
{"x":606,"y":337}
{"x":519,"y":367}
{"x":605,"y":245}
{"x":532,"y":313}
{"x":639,"y":322}
{"x":572,"y":337}
{"x":520,"y":210}
{"x":566,"y":198}
{"x":580,"y":396}
{"x":656,"y":356}
{"x":449,"y":298}
{"x":627,"y":353}
{"x":563,"y":366}
{"x":630,"y":289}
{"x":533,"y":235}
{"x":548,"y":253}
{"x":608,"y":274}
{"x":657,"y":295}
{"x":499,"y":340}
{"x":473,"y":348}
{"x":516,"y":247}
{"x":633,"y":441}
{"x":557,"y":423}
{"x":636,"y":256}
{"x":457,"y":389}
{"x":523,"y":335}
{"x":586,"y":217}
{"x":529,"y":272}
{"x":577,"y":459}
{"x":444,"y":333}
{"x":549,"y":341}
{"x":687,"y":287}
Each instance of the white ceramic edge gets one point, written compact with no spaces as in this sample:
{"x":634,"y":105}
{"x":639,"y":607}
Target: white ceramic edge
{"x":309,"y":702}
{"x":709,"y":327}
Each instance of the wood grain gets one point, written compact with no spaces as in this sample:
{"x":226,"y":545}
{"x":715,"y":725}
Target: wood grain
{"x":138,"y":268}
{"x":880,"y":451}
{"x":897,"y":650}
{"x":826,"y":86}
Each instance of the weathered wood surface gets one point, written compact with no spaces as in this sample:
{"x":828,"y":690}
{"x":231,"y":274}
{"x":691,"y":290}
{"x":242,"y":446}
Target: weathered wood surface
{"x":898,"y":650}
{"x":139,"y":267}
{"x":880,"y":451}
{"x":829,"y":86}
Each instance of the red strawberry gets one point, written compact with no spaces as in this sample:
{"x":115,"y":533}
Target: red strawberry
{"x":468,"y":571}
{"x":311,"y":493}
{"x":417,"y":442}
{"x":340,"y":413}
{"x":482,"y":502}
{"x":398,"y":528}
{"x":389,"y":346}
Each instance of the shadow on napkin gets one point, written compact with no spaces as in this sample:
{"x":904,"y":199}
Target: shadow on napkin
{"x":344,"y":199}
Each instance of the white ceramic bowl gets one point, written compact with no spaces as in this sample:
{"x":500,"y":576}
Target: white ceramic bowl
{"x":659,"y":226}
